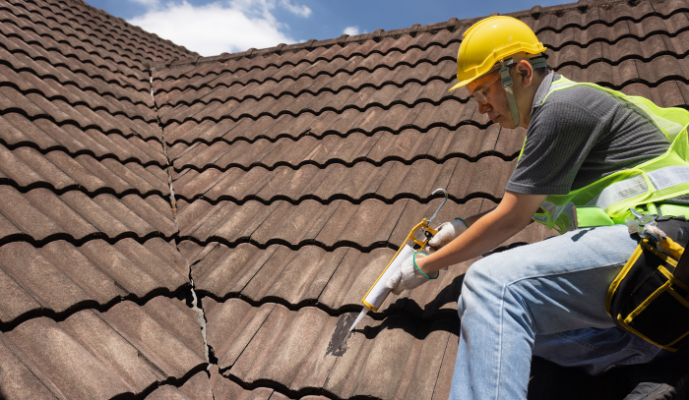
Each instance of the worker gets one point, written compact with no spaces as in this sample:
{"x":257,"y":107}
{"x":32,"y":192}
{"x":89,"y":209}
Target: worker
{"x":588,"y":156}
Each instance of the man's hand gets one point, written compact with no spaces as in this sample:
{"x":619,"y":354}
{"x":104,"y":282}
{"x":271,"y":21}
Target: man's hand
{"x":486,"y":231}
{"x":407,"y":277}
{"x":448,"y":232}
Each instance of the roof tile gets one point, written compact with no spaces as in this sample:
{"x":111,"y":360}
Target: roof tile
{"x":41,"y":214}
{"x":126,"y":349}
{"x":275,"y":335}
{"x":19,"y":382}
{"x":390,"y":180}
{"x":60,"y":276}
{"x":198,"y":387}
{"x":337,"y":223}
{"x":338,"y":279}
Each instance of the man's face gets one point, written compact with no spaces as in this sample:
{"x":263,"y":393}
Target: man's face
{"x":497,"y":107}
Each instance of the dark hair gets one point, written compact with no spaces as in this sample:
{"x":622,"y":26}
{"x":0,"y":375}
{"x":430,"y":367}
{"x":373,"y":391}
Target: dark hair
{"x":541,"y":72}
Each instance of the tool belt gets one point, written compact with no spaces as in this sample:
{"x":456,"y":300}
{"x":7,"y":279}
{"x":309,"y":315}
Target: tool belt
{"x":650,"y":296}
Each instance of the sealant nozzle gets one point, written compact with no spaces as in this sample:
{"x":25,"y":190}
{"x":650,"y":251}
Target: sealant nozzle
{"x":361,"y":316}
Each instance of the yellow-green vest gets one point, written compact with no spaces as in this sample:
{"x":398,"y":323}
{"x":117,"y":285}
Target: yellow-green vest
{"x":607,"y":200}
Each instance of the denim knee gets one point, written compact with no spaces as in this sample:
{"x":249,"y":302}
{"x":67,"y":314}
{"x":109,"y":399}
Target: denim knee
{"x":480,"y":283}
{"x":486,"y":271}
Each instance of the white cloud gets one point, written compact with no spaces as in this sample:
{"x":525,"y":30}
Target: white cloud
{"x":351,"y":30}
{"x":301,"y":11}
{"x":212,"y":29}
{"x":147,"y":3}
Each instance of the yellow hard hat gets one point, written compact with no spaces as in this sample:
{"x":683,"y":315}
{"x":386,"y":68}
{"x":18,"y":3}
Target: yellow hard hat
{"x":489,"y":41}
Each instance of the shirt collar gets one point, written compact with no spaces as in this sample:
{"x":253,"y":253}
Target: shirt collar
{"x":542,"y":90}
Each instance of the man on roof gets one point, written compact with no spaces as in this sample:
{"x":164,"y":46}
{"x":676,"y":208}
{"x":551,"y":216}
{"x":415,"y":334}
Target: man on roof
{"x":548,"y":298}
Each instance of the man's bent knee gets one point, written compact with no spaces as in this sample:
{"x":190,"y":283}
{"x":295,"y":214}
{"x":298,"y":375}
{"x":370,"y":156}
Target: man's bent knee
{"x":480,"y":283}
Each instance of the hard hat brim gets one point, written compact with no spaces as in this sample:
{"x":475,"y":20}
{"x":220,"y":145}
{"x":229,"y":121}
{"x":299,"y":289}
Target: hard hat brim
{"x":468,"y":81}
{"x":461,"y":84}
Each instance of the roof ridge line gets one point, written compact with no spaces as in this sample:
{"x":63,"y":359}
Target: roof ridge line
{"x":135,"y":28}
{"x":379,"y":34}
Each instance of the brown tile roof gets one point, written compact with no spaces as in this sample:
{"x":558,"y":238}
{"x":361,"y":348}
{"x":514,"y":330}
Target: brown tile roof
{"x":280,"y":180}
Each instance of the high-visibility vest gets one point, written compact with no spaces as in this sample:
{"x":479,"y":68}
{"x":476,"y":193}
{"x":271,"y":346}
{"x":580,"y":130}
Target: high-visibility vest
{"x":607,"y":201}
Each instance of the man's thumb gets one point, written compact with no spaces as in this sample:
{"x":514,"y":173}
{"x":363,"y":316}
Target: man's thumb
{"x":435,"y":240}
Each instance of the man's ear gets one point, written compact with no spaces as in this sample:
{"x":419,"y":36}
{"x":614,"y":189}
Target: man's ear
{"x":526,"y":72}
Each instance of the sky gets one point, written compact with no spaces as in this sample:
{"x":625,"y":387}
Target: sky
{"x":212,"y":27}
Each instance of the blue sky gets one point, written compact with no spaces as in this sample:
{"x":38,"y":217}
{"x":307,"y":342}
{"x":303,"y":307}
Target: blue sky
{"x":212,"y":27}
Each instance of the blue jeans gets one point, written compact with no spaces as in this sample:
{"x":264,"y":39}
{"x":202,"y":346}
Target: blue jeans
{"x":545,"y":299}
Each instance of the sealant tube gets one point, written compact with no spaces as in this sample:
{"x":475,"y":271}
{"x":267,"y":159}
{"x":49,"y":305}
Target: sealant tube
{"x":378,"y":292}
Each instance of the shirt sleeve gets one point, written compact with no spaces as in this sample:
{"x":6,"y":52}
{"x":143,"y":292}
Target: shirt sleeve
{"x":560,"y":136}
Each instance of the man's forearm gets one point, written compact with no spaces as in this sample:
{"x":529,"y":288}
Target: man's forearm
{"x":483,"y":235}
{"x":471,"y":220}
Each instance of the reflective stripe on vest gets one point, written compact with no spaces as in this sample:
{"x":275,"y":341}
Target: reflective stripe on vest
{"x":607,"y":201}
{"x":662,"y":178}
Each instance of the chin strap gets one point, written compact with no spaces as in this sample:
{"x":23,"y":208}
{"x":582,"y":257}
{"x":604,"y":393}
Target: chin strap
{"x":508,"y":84}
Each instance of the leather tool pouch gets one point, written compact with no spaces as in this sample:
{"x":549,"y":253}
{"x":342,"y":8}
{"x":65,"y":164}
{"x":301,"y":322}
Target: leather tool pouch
{"x":648,"y":297}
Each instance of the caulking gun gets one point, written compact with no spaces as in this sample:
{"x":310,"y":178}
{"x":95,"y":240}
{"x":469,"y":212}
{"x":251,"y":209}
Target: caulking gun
{"x":419,"y":236}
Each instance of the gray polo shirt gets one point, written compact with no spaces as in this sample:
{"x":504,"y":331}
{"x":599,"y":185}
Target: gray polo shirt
{"x":580,"y":135}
